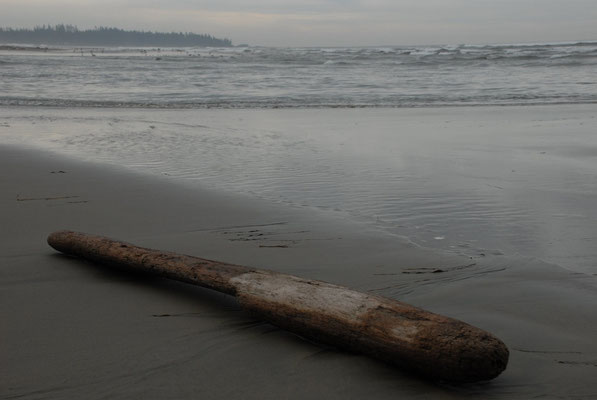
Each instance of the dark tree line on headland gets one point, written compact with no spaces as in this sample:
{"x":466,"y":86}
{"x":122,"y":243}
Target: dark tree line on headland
{"x":103,"y":36}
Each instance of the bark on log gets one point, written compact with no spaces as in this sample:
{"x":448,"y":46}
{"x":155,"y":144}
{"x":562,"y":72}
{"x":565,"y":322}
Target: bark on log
{"x":416,"y":340}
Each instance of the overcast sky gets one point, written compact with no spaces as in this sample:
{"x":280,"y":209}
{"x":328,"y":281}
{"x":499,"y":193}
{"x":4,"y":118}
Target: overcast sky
{"x":326,"y":22}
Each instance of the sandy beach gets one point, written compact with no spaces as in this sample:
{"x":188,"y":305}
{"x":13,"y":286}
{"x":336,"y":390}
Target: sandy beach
{"x":75,"y":330}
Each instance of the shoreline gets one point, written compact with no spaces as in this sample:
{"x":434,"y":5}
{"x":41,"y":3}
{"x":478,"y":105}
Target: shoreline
{"x":73,"y":329}
{"x":471,"y":181}
{"x":116,"y":106}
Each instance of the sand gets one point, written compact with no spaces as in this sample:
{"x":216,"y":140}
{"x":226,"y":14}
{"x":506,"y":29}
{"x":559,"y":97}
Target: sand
{"x":74,"y":330}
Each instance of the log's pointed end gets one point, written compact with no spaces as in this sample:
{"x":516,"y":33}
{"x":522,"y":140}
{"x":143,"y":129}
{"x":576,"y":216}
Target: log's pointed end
{"x":502,"y":354}
{"x":472,"y":355}
{"x":432,"y":345}
{"x":59,"y":240}
{"x":484,"y":361}
{"x":499,"y":355}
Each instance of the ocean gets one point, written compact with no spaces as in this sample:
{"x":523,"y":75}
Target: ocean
{"x":255,"y":77}
{"x":478,"y":150}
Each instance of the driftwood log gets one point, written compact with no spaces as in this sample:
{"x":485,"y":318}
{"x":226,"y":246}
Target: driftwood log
{"x":416,"y":340}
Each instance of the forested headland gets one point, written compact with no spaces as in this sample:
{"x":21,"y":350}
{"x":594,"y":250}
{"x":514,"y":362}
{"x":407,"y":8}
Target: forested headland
{"x":66,"y":35}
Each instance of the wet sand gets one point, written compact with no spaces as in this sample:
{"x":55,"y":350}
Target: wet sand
{"x":74,"y":330}
{"x":470,"y":180}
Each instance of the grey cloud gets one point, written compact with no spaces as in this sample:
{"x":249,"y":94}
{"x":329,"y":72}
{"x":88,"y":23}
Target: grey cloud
{"x":327,"y":22}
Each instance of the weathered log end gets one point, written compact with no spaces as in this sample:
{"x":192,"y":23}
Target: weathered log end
{"x":436,"y":346}
{"x":197,"y":271}
{"x":416,"y":340}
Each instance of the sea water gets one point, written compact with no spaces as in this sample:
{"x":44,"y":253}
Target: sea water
{"x":256,"y":77}
{"x":481,"y":150}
